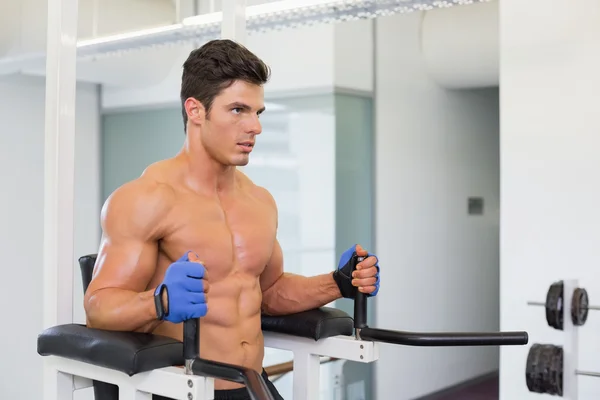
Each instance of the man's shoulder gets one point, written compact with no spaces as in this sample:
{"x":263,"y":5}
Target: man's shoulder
{"x":147,"y":194}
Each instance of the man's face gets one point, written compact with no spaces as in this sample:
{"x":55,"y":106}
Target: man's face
{"x":230,"y":129}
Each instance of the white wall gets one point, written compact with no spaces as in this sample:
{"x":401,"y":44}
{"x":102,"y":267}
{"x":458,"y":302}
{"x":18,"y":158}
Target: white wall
{"x":434,"y":149}
{"x":550,"y":150}
{"x":21,"y":212}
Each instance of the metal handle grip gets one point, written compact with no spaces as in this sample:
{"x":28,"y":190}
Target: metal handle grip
{"x":360,"y":303}
{"x":191,"y":343}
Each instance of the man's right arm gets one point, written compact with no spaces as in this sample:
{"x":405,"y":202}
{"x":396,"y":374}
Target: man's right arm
{"x":117,"y":298}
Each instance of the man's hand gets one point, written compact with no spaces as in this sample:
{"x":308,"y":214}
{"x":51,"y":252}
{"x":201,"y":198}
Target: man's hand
{"x":185,"y":287}
{"x":365,"y":278}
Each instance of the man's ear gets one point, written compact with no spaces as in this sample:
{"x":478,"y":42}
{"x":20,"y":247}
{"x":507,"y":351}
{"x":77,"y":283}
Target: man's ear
{"x":195,"y":111}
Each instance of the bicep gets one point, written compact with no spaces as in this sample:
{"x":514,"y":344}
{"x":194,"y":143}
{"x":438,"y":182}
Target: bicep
{"x":124,"y":263}
{"x":128,"y":251}
{"x":274,"y":268}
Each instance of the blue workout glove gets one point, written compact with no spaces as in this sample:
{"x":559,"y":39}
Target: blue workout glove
{"x":185,"y":290}
{"x":343,"y":274}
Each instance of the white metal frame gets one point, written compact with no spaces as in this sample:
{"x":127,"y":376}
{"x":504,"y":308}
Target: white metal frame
{"x":233,"y":24}
{"x":307,"y":356}
{"x":59,"y":179}
{"x":172,"y":382}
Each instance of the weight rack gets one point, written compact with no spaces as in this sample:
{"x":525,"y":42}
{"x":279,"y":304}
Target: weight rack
{"x":552,"y":369}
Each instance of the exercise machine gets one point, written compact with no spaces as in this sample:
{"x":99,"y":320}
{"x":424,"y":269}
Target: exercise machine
{"x":143,"y":364}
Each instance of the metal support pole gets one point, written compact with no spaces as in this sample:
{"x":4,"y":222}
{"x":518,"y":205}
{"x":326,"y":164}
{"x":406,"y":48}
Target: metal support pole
{"x":307,"y":373}
{"x":59,"y":174}
{"x":233,"y":25}
{"x":571,"y":344}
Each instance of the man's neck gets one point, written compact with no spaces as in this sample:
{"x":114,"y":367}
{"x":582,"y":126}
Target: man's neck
{"x":204,"y":173}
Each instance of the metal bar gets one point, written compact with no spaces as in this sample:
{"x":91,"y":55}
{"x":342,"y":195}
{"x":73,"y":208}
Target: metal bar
{"x":445,"y":338}
{"x":233,"y":25}
{"x":539,"y":303}
{"x":306,"y":376}
{"x":59,"y":162}
{"x":360,"y":307}
{"x":178,"y":15}
{"x":191,"y":343}
{"x":536,"y":303}
{"x":587,"y":373}
{"x":571,"y":344}
{"x":255,"y":384}
{"x":59,"y":171}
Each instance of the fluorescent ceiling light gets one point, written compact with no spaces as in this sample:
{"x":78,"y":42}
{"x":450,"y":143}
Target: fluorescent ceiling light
{"x":259,"y":18}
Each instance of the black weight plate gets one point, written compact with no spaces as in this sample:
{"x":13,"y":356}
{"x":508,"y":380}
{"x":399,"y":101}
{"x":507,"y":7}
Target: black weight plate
{"x":579,"y":306}
{"x":554,"y":305}
{"x":556,"y":376}
{"x":531,"y":369}
{"x":544,"y":369}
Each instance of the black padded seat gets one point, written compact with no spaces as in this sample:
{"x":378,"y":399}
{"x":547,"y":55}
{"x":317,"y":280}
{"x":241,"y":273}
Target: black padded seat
{"x":314,"y":324}
{"x":135,"y":352}
{"x":128,"y":352}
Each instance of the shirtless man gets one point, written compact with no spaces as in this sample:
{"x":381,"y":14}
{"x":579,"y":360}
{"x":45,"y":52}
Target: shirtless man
{"x":196,"y":216}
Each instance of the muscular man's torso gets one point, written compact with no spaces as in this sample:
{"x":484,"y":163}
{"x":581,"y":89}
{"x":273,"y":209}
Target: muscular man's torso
{"x":233,"y":235}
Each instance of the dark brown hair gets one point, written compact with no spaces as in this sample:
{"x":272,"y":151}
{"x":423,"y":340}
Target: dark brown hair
{"x":214,"y":67}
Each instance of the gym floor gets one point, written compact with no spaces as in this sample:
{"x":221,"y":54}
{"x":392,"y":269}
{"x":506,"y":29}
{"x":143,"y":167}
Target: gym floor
{"x":485,"y":388}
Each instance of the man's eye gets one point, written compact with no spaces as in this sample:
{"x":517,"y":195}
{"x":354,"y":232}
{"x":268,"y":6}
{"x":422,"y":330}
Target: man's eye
{"x":236,"y":110}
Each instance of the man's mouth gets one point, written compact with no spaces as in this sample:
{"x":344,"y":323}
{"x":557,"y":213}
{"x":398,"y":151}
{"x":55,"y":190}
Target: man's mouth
{"x":246,"y":146}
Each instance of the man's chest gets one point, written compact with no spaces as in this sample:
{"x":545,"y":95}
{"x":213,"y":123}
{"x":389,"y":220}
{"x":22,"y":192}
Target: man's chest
{"x":235,"y":236}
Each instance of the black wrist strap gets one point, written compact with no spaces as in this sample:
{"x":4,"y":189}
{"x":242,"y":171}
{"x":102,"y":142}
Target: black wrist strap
{"x":161,"y":313}
{"x":343,"y":278}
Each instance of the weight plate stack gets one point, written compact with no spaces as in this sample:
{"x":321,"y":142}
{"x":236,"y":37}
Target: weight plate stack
{"x":579,"y":306}
{"x":544,"y":369}
{"x":554,"y":305}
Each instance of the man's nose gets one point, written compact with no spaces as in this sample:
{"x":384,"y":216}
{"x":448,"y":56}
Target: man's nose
{"x":254,"y":126}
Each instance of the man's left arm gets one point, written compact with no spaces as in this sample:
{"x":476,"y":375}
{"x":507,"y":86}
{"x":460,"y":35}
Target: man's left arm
{"x":286,"y":293}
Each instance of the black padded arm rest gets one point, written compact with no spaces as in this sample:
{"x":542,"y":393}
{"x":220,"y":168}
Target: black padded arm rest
{"x":317,"y":324}
{"x":128,"y":352}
